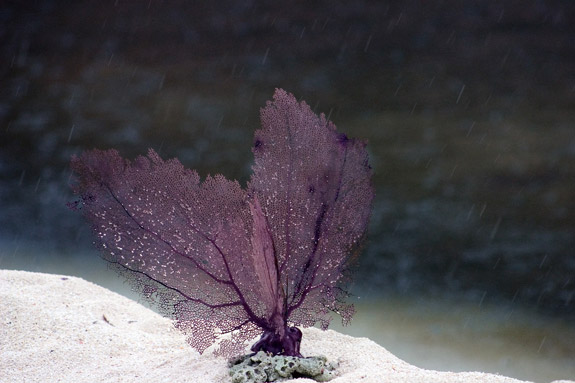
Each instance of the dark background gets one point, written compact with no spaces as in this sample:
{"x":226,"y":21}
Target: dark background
{"x":468,"y":107}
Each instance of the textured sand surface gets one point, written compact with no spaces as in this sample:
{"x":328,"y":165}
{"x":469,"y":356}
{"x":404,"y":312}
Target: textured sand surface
{"x":56,"y":328}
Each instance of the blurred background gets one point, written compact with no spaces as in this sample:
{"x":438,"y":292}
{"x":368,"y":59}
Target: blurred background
{"x":468,"y":107}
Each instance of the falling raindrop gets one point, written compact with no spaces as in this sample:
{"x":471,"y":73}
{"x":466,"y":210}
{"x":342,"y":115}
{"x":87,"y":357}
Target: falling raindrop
{"x":453,"y":171}
{"x":541,"y":344}
{"x":460,"y":93}
{"x":22,"y":177}
{"x":508,"y":315}
{"x":470,"y":212}
{"x":470,"y":129}
{"x":72,"y":96}
{"x":569,"y":298}
{"x":395,"y":229}
{"x":504,"y":60}
{"x":451,"y":38}
{"x":399,"y":19}
{"x":71,"y":132}
{"x":515,"y":295}
{"x":37,"y":184}
{"x":329,"y":114}
{"x":488,"y":99}
{"x":543,"y":261}
{"x":367,"y":43}
{"x":482,"y":210}
{"x":496,"y":263}
{"x":17,"y":247}
{"x":482,"y":298}
{"x":495,"y":228}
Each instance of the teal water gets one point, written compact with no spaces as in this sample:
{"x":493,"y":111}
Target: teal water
{"x":467,"y":107}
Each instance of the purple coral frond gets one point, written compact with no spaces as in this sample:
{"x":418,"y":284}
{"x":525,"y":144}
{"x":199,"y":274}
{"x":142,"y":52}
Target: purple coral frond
{"x":176,"y":251}
{"x":328,"y":175}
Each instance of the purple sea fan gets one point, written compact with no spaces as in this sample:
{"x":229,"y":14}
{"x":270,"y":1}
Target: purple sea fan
{"x":230,"y":263}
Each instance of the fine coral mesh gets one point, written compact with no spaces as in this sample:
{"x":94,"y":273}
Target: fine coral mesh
{"x":181,"y":243}
{"x":314,"y":186}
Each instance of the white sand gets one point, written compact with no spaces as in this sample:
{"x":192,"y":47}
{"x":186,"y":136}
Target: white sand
{"x":63,"y":329}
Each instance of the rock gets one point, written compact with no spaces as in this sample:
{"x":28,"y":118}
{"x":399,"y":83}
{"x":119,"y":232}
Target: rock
{"x":263,"y":367}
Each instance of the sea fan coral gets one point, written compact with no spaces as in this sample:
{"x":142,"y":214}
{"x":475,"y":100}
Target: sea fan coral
{"x":222,"y":260}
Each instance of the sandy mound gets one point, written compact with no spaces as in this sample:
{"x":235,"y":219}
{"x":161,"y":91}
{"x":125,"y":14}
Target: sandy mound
{"x":64,"y":329}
